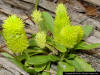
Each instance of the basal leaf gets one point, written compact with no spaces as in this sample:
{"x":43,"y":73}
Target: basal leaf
{"x":47,"y":68}
{"x":61,"y":48}
{"x":39,"y":68}
{"x":66,"y":67}
{"x":41,"y":59}
{"x":87,"y":30}
{"x":59,"y":70}
{"x":85,"y":46}
{"x":81,"y":65}
{"x":32,"y":42}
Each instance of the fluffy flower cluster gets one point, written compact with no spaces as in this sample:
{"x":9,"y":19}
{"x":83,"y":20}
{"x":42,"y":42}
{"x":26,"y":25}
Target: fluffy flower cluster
{"x":14,"y":34}
{"x":40,"y":39}
{"x":36,"y":15}
{"x":70,"y":36}
{"x":62,"y":18}
{"x":64,"y":32}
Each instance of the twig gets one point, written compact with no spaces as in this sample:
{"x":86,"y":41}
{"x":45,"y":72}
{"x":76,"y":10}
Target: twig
{"x":29,"y":17}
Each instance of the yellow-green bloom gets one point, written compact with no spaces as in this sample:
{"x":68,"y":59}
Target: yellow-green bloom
{"x":36,"y":16}
{"x":61,"y":19}
{"x":14,"y":34}
{"x":80,"y":32}
{"x":40,"y":39}
{"x":70,"y":36}
{"x":65,"y":33}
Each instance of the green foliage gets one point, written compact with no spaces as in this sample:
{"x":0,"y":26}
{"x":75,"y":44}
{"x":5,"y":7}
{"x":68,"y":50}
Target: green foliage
{"x":47,"y":23}
{"x":64,"y":67}
{"x":39,"y":68}
{"x":14,"y":34}
{"x":41,"y":59}
{"x":85,"y":46}
{"x":61,"y":48}
{"x":80,"y":65}
{"x":47,"y":68}
{"x":55,"y":43}
{"x":87,"y":30}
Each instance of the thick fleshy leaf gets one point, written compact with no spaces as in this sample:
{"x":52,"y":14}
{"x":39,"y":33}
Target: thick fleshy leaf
{"x":81,"y":65}
{"x":41,"y":59}
{"x":47,"y":24}
{"x":85,"y":46}
{"x":66,"y":67}
{"x":87,"y":30}
{"x":61,"y":48}
{"x":59,"y":70}
{"x":47,"y":68}
{"x":39,"y":68}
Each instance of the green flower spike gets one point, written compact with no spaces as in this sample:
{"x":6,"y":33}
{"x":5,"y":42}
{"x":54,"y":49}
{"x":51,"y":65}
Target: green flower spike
{"x":62,"y":18}
{"x":65,"y":33}
{"x":36,"y":15}
{"x":70,"y":36}
{"x":14,"y":34}
{"x":40,"y":39}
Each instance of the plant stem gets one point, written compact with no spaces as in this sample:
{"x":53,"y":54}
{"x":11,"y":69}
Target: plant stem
{"x":36,"y":4}
{"x":62,"y":57}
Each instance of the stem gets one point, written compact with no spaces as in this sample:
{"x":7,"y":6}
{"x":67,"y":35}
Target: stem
{"x":62,"y":57}
{"x":36,"y":4}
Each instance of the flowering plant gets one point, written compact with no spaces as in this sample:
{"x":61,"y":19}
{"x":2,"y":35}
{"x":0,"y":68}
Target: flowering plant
{"x":37,"y":54}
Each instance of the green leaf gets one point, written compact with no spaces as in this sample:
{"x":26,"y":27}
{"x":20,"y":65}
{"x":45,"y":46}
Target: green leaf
{"x":85,"y":46}
{"x":39,"y":68}
{"x":41,"y":59}
{"x":87,"y":30}
{"x":71,"y":56}
{"x":53,"y":58}
{"x":66,"y":67}
{"x":50,"y":40}
{"x":32,"y":42}
{"x":59,"y":70}
{"x":81,"y":65}
{"x":21,"y":57}
{"x":12,"y":59}
{"x":47,"y":68}
{"x":47,"y":23}
{"x":61,"y":48}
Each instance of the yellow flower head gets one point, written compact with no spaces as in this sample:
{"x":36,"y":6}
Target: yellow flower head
{"x":40,"y":39}
{"x":80,"y":32}
{"x":61,"y":19}
{"x":70,"y":36}
{"x":36,"y":15}
{"x":65,"y":33}
{"x":14,"y":34}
